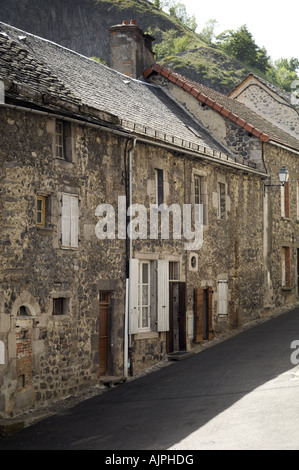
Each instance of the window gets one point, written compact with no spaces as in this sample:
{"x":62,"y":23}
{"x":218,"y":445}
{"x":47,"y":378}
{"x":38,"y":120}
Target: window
{"x":174,"y":271}
{"x":159,"y":187}
{"x":148,"y":280}
{"x":41,"y":211}
{"x":144,"y":295}
{"x":221,"y":201}
{"x":63,"y":140}
{"x":222,"y":298}
{"x":61,"y":306}
{"x":70,"y":221}
{"x":285,"y":200}
{"x":286,"y":267}
{"x":23,"y":311}
{"x":200,"y":196}
{"x":59,"y":139}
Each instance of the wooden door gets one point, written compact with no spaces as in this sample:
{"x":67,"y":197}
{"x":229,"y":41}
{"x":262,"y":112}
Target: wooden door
{"x":182,"y":316}
{"x":203,"y":314}
{"x":103,"y":332}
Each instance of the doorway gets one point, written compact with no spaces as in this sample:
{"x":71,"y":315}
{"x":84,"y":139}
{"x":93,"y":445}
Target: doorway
{"x":203,"y":314}
{"x":103,"y":331}
{"x":176,"y":336}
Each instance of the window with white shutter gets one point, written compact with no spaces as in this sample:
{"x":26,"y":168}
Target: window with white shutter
{"x":69,"y":221}
{"x":222,"y":297}
{"x":163,"y":295}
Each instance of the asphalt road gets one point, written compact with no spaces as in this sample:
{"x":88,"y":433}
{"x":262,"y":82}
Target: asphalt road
{"x":241,"y":394}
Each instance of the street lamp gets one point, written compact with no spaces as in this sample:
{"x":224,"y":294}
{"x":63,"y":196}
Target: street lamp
{"x":283,"y":176}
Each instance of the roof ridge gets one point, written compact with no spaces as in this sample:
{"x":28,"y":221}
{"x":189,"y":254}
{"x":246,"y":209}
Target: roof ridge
{"x":182,"y":82}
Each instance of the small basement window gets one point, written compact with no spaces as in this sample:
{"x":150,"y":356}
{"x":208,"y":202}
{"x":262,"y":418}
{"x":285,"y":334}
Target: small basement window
{"x":61,"y":306}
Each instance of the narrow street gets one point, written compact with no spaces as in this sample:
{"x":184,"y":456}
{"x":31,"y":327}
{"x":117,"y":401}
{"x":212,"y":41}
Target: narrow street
{"x":241,"y":394}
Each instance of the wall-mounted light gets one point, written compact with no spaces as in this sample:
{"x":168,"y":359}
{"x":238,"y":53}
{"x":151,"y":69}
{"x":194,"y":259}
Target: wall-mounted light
{"x":283,"y":176}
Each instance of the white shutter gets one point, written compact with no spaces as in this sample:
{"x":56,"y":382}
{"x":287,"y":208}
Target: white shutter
{"x":133,"y":296}
{"x":222,"y":297}
{"x":74,"y":221}
{"x":163,"y":295}
{"x":66,"y":220}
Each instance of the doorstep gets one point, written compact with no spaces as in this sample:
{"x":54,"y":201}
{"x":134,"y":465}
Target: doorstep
{"x":180,"y":355}
{"x":111,"y":380}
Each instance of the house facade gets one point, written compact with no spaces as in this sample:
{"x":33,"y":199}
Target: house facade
{"x":131,"y":227}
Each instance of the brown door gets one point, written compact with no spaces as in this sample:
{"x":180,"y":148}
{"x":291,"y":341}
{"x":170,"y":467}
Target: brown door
{"x":176,"y":336}
{"x":203,"y":314}
{"x":103,"y":332}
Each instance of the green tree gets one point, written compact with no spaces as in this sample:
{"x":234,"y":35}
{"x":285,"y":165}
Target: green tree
{"x":284,"y":72}
{"x":240,"y":44}
{"x":208,"y":32}
{"x":178,"y":11}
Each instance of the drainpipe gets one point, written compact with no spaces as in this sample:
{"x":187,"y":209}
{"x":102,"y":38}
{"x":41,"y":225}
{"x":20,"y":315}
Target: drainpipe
{"x":127,"y":336}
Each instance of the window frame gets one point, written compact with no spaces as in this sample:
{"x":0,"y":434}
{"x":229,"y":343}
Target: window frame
{"x":42,"y":211}
{"x":159,"y":186}
{"x":59,"y":140}
{"x":142,"y":305}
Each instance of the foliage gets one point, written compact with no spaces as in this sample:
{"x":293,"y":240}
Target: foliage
{"x":208,"y":32}
{"x":98,"y":59}
{"x":178,"y":11}
{"x":171,"y":43}
{"x":283,"y":72}
{"x":241,"y":45}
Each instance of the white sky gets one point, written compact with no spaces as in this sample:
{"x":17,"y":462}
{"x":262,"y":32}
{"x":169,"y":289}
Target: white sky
{"x":274,"y":25}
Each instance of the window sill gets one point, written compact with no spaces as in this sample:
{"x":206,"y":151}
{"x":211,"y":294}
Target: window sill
{"x":146,"y":335}
{"x":61,"y":163}
{"x":44,"y":230}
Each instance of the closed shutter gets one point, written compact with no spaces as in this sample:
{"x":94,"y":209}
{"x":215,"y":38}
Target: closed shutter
{"x":163,"y":295}
{"x":133,"y":296}
{"x":222,"y":297}
{"x":199,"y":310}
{"x":66,"y":220}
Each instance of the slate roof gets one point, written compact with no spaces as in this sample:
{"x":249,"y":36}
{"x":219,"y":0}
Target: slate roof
{"x":59,"y":75}
{"x":232,"y":109}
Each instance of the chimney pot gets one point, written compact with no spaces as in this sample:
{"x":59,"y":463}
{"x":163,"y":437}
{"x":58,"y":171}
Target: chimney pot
{"x":125,"y":22}
{"x":133,"y":22}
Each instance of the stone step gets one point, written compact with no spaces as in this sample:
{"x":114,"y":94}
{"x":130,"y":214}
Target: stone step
{"x":180,"y":355}
{"x":111,"y":380}
{"x":10,"y":426}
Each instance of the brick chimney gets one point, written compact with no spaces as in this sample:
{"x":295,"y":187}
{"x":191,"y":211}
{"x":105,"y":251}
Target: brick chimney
{"x":130,"y":49}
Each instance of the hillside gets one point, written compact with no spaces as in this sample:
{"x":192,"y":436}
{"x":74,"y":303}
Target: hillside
{"x":83,"y":26}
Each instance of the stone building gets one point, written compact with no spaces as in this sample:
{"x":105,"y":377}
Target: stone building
{"x":92,"y":283}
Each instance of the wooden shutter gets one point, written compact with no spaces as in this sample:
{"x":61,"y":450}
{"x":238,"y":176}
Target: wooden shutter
{"x":74,"y":221}
{"x":182,"y":315}
{"x":133,"y":296}
{"x":66,"y":220}
{"x":199,"y":308}
{"x":163,"y":295}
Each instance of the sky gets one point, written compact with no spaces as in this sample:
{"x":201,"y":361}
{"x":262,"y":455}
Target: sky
{"x":273,"y":25}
